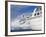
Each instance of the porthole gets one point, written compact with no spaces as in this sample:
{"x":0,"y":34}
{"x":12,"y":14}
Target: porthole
{"x":37,"y":13}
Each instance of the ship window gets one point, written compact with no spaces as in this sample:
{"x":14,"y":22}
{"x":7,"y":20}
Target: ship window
{"x":37,"y":13}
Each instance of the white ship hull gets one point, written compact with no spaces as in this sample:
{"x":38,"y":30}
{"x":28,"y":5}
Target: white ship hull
{"x":36,"y":23}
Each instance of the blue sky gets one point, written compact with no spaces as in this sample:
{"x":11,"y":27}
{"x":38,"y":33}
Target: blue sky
{"x":17,"y":10}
